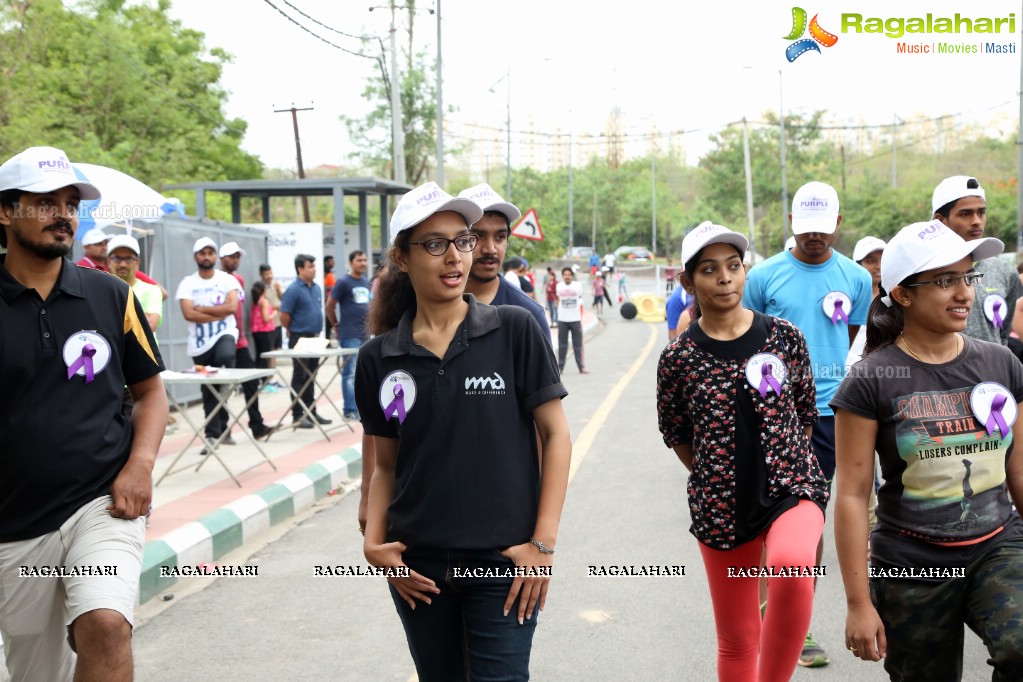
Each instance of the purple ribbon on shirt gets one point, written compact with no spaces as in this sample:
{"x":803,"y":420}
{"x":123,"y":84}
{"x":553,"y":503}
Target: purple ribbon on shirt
{"x":84,"y":360}
{"x":767,"y":380}
{"x":996,"y":319}
{"x":396,"y":406}
{"x":839,"y":312}
{"x":995,"y":418}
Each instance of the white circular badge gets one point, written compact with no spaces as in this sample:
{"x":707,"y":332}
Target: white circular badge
{"x":837,"y":307}
{"x":397,"y":395}
{"x":994,"y":407}
{"x":86,"y":354}
{"x":766,"y":373}
{"x":995,"y":304}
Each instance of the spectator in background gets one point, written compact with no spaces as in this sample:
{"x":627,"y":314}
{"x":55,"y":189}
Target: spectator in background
{"x":551,"y":288}
{"x":328,"y":273}
{"x":94,"y":243}
{"x":598,"y":293}
{"x":230,"y":258}
{"x":261,"y":324}
{"x":351,"y":294}
{"x":511,"y":274}
{"x":960,"y":204}
{"x":273,"y":295}
{"x":867,"y":253}
{"x":123,"y":256}
{"x":208,"y":300}
{"x":302,"y":317}
{"x":594,"y":262}
{"x":609,"y":263}
{"x":570,"y":299}
{"x":673,"y":308}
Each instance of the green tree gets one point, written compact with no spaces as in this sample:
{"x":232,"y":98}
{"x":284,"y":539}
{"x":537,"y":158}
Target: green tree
{"x":122,"y":86}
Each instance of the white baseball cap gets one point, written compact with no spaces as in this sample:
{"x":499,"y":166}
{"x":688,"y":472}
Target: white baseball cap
{"x":867,"y":246}
{"x":123,"y":241}
{"x":954,"y":188}
{"x":815,"y":209}
{"x":231,"y":248}
{"x":422,"y":202}
{"x":202,"y":242}
{"x":94,"y":236}
{"x":925,"y":246}
{"x":707,"y":233}
{"x":43,"y":169}
{"x":484,"y":196}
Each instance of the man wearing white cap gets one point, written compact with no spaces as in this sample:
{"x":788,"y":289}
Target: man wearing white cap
{"x":959,"y":203}
{"x":826,"y":295}
{"x":94,"y":243}
{"x":123,"y":256}
{"x":230,"y":258}
{"x":75,"y":470}
{"x":494,"y":228}
{"x":208,"y":300}
{"x":867,"y":253}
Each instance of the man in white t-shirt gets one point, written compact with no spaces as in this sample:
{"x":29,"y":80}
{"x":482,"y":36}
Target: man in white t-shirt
{"x":208,"y":300}
{"x":569,"y":297}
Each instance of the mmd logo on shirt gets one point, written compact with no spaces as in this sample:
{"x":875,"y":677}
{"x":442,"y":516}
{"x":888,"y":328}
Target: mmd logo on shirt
{"x":804,"y":45}
{"x":485,"y":385}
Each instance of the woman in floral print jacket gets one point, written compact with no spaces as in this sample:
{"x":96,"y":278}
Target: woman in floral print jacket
{"x":736,"y":401}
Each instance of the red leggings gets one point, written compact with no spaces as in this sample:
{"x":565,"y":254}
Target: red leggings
{"x":791,"y":541}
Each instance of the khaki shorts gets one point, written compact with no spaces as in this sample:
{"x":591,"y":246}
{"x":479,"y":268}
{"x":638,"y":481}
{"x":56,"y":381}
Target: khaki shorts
{"x":37,"y":607}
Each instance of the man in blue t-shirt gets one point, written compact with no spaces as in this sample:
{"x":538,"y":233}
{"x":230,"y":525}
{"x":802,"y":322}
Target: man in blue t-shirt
{"x":673,"y":307}
{"x":826,"y":295}
{"x":351,"y":294}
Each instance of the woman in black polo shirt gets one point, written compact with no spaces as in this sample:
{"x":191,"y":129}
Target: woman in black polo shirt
{"x":454,"y":393}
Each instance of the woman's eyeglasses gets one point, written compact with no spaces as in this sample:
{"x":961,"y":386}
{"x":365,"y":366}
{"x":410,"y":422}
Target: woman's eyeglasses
{"x":952,"y":280}
{"x":438,"y":246}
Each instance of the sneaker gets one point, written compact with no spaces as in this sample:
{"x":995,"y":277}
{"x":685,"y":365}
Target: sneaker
{"x":303,"y":423}
{"x":261,"y":431}
{"x":269,"y":388}
{"x":277,"y":384}
{"x":352,"y":416}
{"x":228,"y":440}
{"x":813,"y":655}
{"x":321,"y":420}
{"x":584,"y":371}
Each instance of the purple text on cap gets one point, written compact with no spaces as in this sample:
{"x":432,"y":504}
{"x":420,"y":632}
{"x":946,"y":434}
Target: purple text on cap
{"x":931,"y":229}
{"x":435,"y":194}
{"x":56,"y":163}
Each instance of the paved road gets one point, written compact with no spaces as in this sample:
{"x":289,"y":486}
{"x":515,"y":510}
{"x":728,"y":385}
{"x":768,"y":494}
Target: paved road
{"x":626,"y":505}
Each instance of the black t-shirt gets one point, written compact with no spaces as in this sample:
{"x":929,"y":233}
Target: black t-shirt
{"x":755,"y":510}
{"x":944,"y":472}
{"x":64,"y":439}
{"x":467,"y":472}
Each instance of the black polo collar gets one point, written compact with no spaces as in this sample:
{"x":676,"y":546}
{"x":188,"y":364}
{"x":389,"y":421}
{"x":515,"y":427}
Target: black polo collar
{"x":479,"y":320}
{"x":69,"y":281}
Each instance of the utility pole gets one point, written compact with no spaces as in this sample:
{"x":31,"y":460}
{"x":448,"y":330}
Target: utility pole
{"x":895,"y":147}
{"x":440,"y":107}
{"x":298,"y":152}
{"x":571,"y":215}
{"x":784,"y":180}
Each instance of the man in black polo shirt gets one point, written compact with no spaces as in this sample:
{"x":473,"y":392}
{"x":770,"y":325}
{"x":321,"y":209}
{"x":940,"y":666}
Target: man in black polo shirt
{"x":75,"y":470}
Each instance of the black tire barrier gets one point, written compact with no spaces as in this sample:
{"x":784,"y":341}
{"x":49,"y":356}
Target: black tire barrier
{"x":628,"y":310}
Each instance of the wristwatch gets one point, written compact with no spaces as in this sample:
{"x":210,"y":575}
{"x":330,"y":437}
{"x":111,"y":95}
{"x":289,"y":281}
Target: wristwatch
{"x":544,"y":549}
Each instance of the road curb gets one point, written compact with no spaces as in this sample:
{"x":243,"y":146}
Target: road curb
{"x":221,"y":531}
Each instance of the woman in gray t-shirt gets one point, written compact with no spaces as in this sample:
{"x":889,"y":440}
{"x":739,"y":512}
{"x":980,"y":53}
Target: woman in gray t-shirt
{"x":940,"y":409}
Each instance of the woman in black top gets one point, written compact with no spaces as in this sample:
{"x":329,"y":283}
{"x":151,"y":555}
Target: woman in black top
{"x":454,"y":393}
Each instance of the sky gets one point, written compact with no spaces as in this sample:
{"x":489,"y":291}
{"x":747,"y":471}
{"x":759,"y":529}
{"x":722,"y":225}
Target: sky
{"x":679,"y":66}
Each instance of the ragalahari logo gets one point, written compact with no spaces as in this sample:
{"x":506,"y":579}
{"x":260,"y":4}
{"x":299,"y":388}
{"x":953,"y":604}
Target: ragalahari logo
{"x":804,"y":45}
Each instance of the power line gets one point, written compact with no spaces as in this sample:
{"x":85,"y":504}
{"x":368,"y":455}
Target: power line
{"x":314,"y":35}
{"x":320,"y":23}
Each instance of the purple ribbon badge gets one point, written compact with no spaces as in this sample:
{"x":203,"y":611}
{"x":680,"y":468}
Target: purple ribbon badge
{"x":396,"y":406}
{"x":84,"y":360}
{"x":839,"y":312}
{"x":767,"y":380}
{"x":995,"y":418}
{"x":996,"y":319}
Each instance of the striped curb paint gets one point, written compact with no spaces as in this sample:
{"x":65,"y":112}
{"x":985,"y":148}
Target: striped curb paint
{"x":228,"y":528}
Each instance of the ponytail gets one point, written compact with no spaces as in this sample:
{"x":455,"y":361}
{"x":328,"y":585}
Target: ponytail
{"x":884,"y":323}
{"x":394,"y":295}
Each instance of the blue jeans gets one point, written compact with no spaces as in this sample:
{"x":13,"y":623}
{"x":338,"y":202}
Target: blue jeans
{"x":348,"y":376}
{"x":464,"y":634}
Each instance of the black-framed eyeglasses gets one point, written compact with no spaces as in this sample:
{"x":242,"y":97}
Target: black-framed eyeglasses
{"x":952,"y":280}
{"x":123,"y":259}
{"x":438,"y":246}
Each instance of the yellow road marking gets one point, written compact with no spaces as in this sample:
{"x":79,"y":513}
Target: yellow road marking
{"x":582,"y":444}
